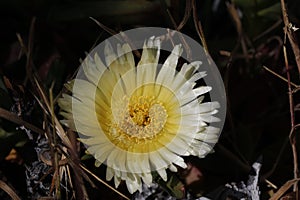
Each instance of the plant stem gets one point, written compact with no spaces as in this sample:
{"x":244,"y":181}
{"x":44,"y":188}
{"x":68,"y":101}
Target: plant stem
{"x":295,"y":47}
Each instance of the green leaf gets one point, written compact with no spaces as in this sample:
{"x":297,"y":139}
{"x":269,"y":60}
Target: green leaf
{"x":272,"y":12}
{"x":86,"y":157}
{"x":173,"y":185}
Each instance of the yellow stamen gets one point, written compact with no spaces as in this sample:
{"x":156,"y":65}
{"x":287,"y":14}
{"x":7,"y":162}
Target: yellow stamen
{"x":142,"y":120}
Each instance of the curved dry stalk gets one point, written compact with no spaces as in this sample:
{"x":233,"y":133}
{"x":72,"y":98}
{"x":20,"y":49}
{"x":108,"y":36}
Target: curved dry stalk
{"x":9,"y":191}
{"x":198,"y":27}
{"x":103,"y":182}
{"x":5,"y":114}
{"x":59,"y":129}
{"x":284,"y":188}
{"x":288,"y":31}
{"x":295,"y":47}
{"x":279,"y":76}
{"x":114,"y":33}
{"x":187,"y":14}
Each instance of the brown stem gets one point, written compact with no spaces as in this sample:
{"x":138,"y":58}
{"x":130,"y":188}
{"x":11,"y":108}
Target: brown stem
{"x":287,"y":32}
{"x":281,"y":77}
{"x":103,"y":182}
{"x":81,"y":192}
{"x":198,"y":27}
{"x":180,"y":26}
{"x":5,"y":114}
{"x":9,"y":191}
{"x":187,"y":14}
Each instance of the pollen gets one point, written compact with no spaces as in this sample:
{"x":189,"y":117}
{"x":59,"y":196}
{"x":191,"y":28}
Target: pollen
{"x":139,"y":110}
{"x":141,"y":119}
{"x":144,"y":117}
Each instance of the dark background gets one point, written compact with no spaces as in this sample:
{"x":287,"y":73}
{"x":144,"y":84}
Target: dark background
{"x":258,"y":119}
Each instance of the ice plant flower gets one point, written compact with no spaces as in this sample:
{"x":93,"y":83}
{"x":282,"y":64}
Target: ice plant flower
{"x":140,"y":118}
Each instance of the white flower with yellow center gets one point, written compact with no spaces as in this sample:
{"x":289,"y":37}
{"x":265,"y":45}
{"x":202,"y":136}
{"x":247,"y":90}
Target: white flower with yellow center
{"x":140,"y":119}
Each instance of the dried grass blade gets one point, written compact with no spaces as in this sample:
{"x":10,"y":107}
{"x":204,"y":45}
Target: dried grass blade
{"x":198,"y":27}
{"x":290,"y":34}
{"x":9,"y":191}
{"x":59,"y":129}
{"x":284,"y":188}
{"x":187,"y":14}
{"x":15,"y":119}
{"x":103,"y":182}
{"x":281,"y":77}
{"x":55,"y":153}
{"x":124,"y":37}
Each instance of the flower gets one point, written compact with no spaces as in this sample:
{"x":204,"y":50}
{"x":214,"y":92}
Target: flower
{"x":140,"y":119}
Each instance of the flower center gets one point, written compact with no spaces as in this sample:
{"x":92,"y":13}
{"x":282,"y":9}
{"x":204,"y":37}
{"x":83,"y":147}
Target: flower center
{"x":145,"y":121}
{"x":139,"y":110}
{"x":143,"y":118}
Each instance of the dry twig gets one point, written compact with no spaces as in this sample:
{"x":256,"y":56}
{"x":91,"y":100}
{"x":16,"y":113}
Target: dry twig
{"x":283,"y":189}
{"x":198,"y":27}
{"x":288,"y":31}
{"x":9,"y":191}
{"x":295,"y":47}
{"x":279,"y":76}
{"x":103,"y":182}
{"x":5,"y":114}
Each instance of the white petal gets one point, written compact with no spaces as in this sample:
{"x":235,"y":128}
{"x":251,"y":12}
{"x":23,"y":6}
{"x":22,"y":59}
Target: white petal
{"x":147,"y":178}
{"x":210,"y":130}
{"x":117,"y":181}
{"x":167,"y":72}
{"x":151,"y":51}
{"x":189,"y":69}
{"x":144,"y":162}
{"x":209,"y":118}
{"x":91,"y":130}
{"x":133,"y":183}
{"x":97,"y":163}
{"x":66,"y":115}
{"x":120,"y":161}
{"x":178,"y":82}
{"x":163,"y":174}
{"x":128,"y":55}
{"x":99,"y":64}
{"x":197,"y":76}
{"x":112,"y":158}
{"x":178,"y":146}
{"x":109,"y":173}
{"x":157,"y":162}
{"x":173,"y":168}
{"x":93,"y":70}
{"x":149,"y":60}
{"x":210,"y":138}
{"x":202,"y":90}
{"x":68,"y":123}
{"x":170,"y":157}
{"x":120,"y":54}
{"x":132,"y":163}
{"x":172,"y":60}
{"x":102,"y":153}
{"x":201,"y":148}
{"x":69,"y":85}
{"x":65,"y":103}
{"x":109,"y":53}
{"x":84,"y":88}
{"x":209,"y":106}
{"x":129,"y":81}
